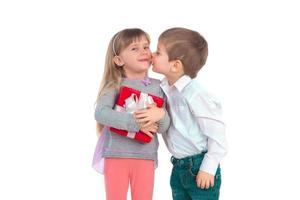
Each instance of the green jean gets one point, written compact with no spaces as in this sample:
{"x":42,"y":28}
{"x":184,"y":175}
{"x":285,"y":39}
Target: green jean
{"x":183,"y":180}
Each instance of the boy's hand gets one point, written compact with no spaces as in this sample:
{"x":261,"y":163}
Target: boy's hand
{"x":204,"y":180}
{"x":150,"y":115}
{"x":149,"y":130}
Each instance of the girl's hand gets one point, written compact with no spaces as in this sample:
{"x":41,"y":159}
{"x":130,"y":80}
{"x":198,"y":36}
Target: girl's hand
{"x":149,"y":130}
{"x":150,"y":115}
{"x":204,"y":180}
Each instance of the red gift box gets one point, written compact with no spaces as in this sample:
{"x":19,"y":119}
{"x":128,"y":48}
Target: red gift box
{"x":129,"y":93}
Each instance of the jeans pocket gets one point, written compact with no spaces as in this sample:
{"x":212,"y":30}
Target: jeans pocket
{"x":193,"y":171}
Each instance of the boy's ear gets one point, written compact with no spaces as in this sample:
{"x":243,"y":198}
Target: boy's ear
{"x":118,"y":61}
{"x":177,"y":66}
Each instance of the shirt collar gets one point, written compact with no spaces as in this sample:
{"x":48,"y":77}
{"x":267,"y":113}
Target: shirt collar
{"x":182,"y":82}
{"x":179,"y":84}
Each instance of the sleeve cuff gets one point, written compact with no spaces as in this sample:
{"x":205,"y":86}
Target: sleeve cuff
{"x":209,"y":165}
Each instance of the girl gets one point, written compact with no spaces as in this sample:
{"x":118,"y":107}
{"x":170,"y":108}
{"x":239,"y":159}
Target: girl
{"x":126,"y":160}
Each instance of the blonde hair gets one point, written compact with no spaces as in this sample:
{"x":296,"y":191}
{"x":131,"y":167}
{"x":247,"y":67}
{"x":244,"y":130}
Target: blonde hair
{"x":186,"y":45}
{"x":113,"y":73}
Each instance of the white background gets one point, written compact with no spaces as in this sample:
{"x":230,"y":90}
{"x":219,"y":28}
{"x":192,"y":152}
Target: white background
{"x":51,"y":58}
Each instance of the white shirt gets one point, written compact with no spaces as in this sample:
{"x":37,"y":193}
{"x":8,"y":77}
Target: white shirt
{"x":196,"y":123}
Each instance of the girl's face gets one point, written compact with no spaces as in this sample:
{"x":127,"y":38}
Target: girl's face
{"x":136,"y":58}
{"x":160,"y":60}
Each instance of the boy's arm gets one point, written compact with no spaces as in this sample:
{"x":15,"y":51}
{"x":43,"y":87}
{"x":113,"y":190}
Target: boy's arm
{"x":209,"y":119}
{"x":216,"y":144}
{"x":104,"y":114}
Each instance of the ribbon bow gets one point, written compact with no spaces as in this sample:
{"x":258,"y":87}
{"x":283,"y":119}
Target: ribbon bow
{"x":134,"y":103}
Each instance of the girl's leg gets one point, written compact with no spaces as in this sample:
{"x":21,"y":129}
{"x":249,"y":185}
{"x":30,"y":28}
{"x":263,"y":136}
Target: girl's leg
{"x":142,"y":179}
{"x":116,"y":175}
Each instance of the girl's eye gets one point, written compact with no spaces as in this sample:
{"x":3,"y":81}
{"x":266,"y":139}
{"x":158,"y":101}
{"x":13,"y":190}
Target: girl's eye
{"x":133,"y":49}
{"x":146,"y":47}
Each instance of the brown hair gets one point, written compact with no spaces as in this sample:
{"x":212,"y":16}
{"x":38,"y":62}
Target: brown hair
{"x":113,"y":74}
{"x":185,"y":45}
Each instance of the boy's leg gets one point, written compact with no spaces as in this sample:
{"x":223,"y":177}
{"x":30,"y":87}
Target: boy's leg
{"x":178,"y":191}
{"x":116,"y":175}
{"x":141,"y":179}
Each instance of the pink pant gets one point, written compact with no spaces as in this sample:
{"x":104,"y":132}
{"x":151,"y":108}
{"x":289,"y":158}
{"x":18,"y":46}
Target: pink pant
{"x":119,"y":172}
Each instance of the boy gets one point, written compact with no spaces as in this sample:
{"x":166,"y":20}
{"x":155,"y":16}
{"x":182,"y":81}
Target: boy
{"x":196,"y":137}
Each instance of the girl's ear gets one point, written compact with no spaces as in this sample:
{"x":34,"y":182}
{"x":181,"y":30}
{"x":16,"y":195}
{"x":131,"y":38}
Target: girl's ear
{"x":118,"y":61}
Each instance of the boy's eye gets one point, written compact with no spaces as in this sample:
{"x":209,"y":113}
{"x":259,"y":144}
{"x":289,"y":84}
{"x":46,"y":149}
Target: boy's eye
{"x":133,"y":49}
{"x":146,"y":47}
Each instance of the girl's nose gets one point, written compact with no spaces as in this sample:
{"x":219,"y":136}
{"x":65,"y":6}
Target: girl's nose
{"x":145,"y":51}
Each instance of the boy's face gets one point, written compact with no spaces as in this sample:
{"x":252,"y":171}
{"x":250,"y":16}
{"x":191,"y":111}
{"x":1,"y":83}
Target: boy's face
{"x":160,"y":60}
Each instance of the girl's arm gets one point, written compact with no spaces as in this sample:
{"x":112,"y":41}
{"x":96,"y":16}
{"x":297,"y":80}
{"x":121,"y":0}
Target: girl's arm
{"x":164,"y":123}
{"x":152,"y":115}
{"x":106,"y":115}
